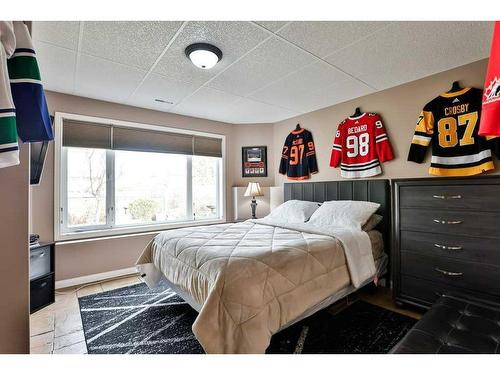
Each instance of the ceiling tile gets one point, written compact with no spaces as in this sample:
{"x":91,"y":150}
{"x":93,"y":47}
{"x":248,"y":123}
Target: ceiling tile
{"x":272,"y":25}
{"x":334,"y":94}
{"x":207,"y":103}
{"x":102,"y":79}
{"x":233,"y":38}
{"x":57,"y":67}
{"x":61,"y":33}
{"x":267,"y":63}
{"x":323,"y":38}
{"x":288,"y":92}
{"x":407,"y":51}
{"x":158,"y":87}
{"x":281,"y":79}
{"x":247,"y":111}
{"x":136,"y":44}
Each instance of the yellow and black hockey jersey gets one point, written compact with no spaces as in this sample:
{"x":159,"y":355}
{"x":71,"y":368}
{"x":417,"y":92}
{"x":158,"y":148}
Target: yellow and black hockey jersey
{"x":298,"y":158}
{"x":450,"y":123}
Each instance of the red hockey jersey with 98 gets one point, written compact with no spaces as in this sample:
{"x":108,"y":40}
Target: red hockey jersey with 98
{"x":360,"y":145}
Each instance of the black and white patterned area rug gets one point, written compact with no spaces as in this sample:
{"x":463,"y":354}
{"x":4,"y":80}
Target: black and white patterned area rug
{"x":136,"y":319}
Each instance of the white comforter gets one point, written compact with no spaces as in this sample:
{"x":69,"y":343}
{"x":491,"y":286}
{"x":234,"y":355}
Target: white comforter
{"x":252,"y":278}
{"x":356,"y":244}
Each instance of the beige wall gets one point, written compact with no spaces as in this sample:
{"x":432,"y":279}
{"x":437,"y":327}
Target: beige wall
{"x":14,"y":257}
{"x":76,"y":259}
{"x":399,"y":108}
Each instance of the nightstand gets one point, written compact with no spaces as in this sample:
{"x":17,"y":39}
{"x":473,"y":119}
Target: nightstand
{"x":42,"y":275}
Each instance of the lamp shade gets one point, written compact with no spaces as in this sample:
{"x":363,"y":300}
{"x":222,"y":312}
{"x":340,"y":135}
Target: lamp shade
{"x":253,"y":190}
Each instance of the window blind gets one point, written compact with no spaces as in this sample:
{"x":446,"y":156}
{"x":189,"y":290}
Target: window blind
{"x":129,"y":139}
{"x":207,"y":146}
{"x":92,"y":135}
{"x":84,"y":134}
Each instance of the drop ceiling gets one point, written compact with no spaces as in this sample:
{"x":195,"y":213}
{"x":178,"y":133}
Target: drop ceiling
{"x":270,"y":71}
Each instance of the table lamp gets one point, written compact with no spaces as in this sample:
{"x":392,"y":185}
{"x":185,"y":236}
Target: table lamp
{"x":253,"y":190}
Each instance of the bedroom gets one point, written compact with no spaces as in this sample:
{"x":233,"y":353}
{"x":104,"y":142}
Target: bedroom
{"x":283,"y":186}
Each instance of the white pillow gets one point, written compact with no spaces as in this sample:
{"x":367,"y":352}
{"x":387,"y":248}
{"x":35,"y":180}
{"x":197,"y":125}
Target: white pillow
{"x":293,"y":211}
{"x":346,"y":214}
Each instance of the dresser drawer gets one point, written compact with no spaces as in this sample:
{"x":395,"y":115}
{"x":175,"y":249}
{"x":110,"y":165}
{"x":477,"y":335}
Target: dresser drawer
{"x":468,"y":197}
{"x":457,"y":247}
{"x":474,"y":276}
{"x":39,"y":262}
{"x":426,"y":292}
{"x":41,"y":292}
{"x":454,"y":222}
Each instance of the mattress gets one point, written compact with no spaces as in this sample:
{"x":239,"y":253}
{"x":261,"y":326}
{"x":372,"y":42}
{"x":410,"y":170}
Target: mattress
{"x":377,"y":242}
{"x":250,"y":280}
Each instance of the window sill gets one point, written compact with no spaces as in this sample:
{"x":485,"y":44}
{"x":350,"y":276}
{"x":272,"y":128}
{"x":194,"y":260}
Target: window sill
{"x":104,"y":234}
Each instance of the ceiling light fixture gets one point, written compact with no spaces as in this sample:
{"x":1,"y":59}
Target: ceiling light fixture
{"x":203,"y":55}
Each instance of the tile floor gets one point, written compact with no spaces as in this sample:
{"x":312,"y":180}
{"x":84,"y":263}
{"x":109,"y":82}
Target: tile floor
{"x":57,"y":329}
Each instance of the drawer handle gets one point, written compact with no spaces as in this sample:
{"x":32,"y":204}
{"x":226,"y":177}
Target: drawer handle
{"x":444,"y":247}
{"x":448,"y":273}
{"x":448,"y":222}
{"x":458,"y":196}
{"x":41,"y":255}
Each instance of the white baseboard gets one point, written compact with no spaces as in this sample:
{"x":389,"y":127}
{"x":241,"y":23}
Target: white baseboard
{"x":95,"y":277}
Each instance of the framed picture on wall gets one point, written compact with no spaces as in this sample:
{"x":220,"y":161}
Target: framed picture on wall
{"x":254,"y":161}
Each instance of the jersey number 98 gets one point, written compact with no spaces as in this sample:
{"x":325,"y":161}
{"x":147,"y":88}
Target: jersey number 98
{"x":358,"y":145}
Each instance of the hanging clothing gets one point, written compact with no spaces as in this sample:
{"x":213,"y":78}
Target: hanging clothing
{"x":360,"y":146}
{"x":9,"y":148}
{"x":490,"y":116}
{"x":449,"y":124}
{"x":33,"y":120}
{"x":298,"y":158}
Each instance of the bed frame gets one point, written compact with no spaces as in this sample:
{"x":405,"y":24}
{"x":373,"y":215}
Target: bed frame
{"x":377,"y":191}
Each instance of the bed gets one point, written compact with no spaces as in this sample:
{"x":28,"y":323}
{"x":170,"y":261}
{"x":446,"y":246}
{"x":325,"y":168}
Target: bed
{"x":251,"y":279}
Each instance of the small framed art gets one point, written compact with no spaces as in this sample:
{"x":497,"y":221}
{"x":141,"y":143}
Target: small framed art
{"x":254,"y":161}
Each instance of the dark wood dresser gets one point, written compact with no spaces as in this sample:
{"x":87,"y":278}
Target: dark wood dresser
{"x":446,"y":234}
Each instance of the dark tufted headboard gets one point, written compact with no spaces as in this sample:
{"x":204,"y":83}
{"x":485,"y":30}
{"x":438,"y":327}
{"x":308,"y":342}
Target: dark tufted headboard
{"x":378,"y":191}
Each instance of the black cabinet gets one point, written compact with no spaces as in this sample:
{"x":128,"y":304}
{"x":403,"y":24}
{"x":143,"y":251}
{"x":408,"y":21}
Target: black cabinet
{"x":42,"y":275}
{"x":446,"y":234}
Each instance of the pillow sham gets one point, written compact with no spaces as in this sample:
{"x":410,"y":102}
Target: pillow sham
{"x":293,"y":211}
{"x":345,"y":214}
{"x":372,"y":223}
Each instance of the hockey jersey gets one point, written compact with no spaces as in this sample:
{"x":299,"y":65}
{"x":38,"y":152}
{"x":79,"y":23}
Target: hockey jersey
{"x":450,"y":123}
{"x":32,"y":114}
{"x":360,"y":145}
{"x":9,"y":148}
{"x":298,"y":158}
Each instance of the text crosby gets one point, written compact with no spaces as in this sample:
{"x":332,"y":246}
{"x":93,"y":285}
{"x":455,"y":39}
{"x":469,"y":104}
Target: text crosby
{"x":456,"y":109}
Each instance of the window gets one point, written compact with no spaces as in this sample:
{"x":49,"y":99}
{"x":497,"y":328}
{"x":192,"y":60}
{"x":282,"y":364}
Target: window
{"x":205,"y":178}
{"x":163,"y":198}
{"x":123,"y":179}
{"x":86,"y":187}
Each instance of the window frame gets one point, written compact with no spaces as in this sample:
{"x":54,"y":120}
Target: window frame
{"x":62,"y":232}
